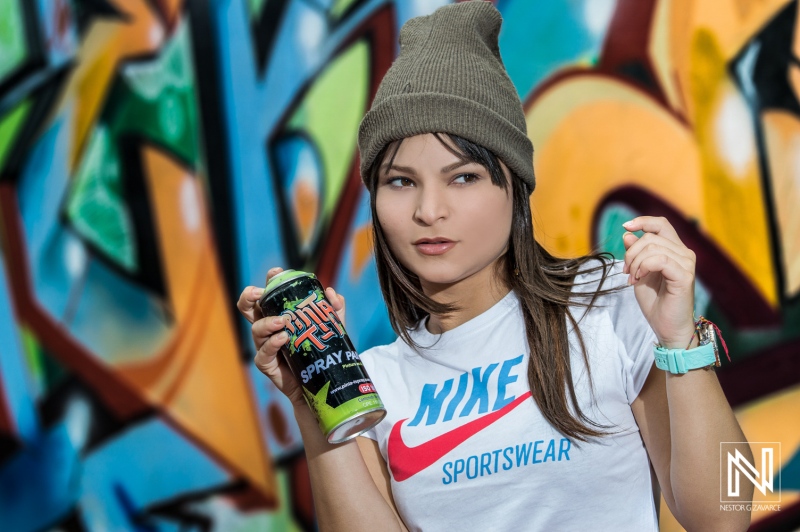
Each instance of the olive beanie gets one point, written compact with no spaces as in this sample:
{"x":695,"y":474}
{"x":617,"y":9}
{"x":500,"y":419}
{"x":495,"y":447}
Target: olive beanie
{"x":449,"y":78}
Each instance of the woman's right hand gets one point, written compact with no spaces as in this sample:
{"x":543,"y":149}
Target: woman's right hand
{"x":269,"y":336}
{"x":332,"y":469}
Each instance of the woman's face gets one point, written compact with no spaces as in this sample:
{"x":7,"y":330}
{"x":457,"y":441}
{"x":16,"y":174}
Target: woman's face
{"x":443,"y":219}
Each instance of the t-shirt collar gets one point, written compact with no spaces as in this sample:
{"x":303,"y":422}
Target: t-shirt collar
{"x":468,"y":329}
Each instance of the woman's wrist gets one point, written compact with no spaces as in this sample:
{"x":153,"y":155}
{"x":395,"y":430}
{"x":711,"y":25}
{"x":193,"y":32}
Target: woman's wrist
{"x":309,"y":429}
{"x":303,"y":414}
{"x":688,"y":340}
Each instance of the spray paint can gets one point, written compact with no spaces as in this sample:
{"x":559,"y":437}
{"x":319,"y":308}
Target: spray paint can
{"x":322,"y":357}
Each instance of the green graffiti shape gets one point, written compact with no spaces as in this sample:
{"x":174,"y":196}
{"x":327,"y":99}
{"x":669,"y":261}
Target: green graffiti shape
{"x":340,"y":7}
{"x":13,"y":48}
{"x":10,"y":125}
{"x":255,"y":7}
{"x":157,"y":100}
{"x":95,"y":205}
{"x":330,"y":114}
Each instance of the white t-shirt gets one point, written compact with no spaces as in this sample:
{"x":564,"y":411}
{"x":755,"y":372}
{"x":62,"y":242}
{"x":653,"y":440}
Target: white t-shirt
{"x":468,"y":449}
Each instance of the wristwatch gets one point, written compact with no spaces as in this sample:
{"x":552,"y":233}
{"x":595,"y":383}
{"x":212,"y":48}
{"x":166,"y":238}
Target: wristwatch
{"x":679,"y":361}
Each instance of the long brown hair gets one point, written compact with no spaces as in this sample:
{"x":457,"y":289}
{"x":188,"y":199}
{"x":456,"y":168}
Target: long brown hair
{"x":542,"y":282}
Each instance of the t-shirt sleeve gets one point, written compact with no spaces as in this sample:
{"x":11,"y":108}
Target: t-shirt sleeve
{"x":634,"y":332}
{"x":636,"y":337}
{"x":371,"y":434}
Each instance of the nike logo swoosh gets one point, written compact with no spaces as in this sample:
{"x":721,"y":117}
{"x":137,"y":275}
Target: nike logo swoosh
{"x":405,"y":461}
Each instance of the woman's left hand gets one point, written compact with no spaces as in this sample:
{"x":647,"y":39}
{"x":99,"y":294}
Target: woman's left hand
{"x":661,"y":268}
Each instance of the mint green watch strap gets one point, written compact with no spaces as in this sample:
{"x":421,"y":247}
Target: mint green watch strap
{"x":680,"y":361}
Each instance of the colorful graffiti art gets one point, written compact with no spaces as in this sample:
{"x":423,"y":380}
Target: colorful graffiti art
{"x":689,"y":111}
{"x":158,"y":155}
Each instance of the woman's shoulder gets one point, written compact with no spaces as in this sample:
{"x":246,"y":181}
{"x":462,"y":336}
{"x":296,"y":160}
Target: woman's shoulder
{"x":604,"y":286}
{"x":383,"y":352}
{"x":383,"y":362}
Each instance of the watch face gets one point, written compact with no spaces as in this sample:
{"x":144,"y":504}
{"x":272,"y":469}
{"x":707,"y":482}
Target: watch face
{"x":707,"y":336}
{"x":706,"y":333}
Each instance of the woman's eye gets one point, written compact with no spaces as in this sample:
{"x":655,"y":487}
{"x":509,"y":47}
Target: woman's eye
{"x":464,"y":179}
{"x":400,"y":182}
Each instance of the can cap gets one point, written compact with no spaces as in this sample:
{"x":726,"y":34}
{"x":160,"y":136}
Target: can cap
{"x":284,"y":277}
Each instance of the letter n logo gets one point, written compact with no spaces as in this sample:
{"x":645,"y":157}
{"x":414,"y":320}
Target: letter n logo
{"x":734,"y":465}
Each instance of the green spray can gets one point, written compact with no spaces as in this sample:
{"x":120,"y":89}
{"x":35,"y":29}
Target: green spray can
{"x":321,"y":356}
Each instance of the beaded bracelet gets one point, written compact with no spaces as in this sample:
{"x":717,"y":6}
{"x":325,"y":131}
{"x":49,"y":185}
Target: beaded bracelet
{"x":704,"y":329}
{"x":706,"y":355}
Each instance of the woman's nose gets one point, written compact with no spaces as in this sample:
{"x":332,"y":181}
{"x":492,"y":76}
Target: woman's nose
{"x":431,"y":206}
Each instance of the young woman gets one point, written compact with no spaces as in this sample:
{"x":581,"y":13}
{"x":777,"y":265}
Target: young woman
{"x":521,"y":392}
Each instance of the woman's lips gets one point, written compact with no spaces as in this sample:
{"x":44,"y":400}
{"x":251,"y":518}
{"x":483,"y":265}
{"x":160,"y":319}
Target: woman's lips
{"x":434,"y":247}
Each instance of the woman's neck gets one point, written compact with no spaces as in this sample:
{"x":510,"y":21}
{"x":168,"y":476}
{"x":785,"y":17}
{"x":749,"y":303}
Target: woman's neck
{"x":472,"y":296}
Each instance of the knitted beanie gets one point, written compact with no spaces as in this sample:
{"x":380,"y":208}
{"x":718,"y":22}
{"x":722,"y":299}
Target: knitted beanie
{"x":449,"y":78}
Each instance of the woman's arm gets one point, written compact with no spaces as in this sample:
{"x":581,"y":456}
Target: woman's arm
{"x":683,"y":419}
{"x":349,"y":492}
{"x":379,"y":472}
{"x":345,"y":495}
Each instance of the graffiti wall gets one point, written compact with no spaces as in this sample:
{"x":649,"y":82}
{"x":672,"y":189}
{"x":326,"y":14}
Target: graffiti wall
{"x":156,"y":156}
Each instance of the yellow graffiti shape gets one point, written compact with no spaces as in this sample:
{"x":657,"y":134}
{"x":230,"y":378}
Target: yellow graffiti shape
{"x":732,"y":22}
{"x":782,"y":136}
{"x":694,"y":45}
{"x":592,"y":135}
{"x":734,"y":211}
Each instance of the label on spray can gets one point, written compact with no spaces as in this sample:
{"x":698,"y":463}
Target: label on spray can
{"x":322,"y":357}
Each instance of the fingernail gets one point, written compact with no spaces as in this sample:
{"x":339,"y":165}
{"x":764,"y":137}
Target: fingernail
{"x":282,"y":336}
{"x":630,"y":280}
{"x":277,"y":321}
{"x":626,"y":224}
{"x":257,"y":291}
